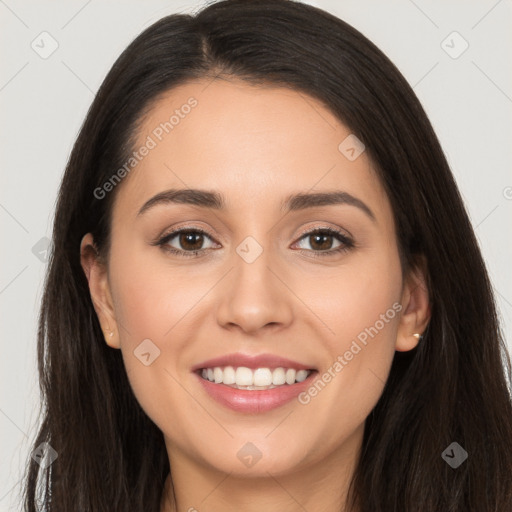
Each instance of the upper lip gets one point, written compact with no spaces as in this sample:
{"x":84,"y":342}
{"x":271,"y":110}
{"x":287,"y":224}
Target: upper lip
{"x":252,"y":361}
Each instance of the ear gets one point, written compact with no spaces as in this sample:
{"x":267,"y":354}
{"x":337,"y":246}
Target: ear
{"x":97,"y":276}
{"x":416,"y":308}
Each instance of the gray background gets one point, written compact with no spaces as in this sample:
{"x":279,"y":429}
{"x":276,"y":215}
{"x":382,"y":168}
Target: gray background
{"x":468,"y":97}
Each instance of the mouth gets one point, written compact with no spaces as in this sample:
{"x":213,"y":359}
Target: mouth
{"x":253,"y":384}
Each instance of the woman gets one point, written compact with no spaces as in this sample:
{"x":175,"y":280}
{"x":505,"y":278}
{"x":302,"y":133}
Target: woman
{"x":265,"y":291}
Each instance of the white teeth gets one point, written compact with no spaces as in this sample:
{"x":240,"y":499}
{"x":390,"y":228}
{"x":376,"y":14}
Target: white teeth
{"x":290,"y":376}
{"x":260,"y":378}
{"x":229,"y":375}
{"x":301,"y":375}
{"x":217,"y":375}
{"x":244,"y":376}
{"x":278,"y":377}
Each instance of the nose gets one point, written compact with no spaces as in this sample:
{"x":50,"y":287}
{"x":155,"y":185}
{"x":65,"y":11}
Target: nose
{"x":254,"y":296}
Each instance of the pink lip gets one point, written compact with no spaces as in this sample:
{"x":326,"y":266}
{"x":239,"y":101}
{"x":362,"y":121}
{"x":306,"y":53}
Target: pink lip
{"x":256,"y":401}
{"x":253,"y":362}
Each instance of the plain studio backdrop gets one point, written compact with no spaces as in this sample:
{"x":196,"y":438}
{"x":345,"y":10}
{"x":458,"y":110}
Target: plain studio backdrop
{"x":456,"y":56}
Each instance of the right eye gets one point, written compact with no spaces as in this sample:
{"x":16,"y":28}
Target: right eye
{"x":190,"y":240}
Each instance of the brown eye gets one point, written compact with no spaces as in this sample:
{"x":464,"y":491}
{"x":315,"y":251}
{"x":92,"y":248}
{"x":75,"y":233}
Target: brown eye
{"x":185,"y":242}
{"x":191,"y":240}
{"x":321,"y":242}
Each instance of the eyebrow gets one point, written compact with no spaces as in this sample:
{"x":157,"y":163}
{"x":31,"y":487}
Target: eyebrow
{"x":294,"y":202}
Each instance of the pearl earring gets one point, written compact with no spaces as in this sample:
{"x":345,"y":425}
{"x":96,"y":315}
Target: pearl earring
{"x":418,"y":336}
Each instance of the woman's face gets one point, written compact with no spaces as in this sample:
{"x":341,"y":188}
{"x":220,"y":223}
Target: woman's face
{"x":260,"y":285}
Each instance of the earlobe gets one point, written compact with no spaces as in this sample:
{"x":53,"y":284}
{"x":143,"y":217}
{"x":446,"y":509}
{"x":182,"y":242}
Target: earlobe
{"x":99,"y":288}
{"x":416,"y":310}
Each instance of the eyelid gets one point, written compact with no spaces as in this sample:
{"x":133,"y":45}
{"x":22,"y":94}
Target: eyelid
{"x":325,"y":227}
{"x":185,"y":227}
{"x":305,"y":231}
{"x":172,"y":233}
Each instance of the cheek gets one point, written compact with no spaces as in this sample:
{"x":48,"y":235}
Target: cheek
{"x":151,"y":296}
{"x":152,"y":308}
{"x":157,"y":303}
{"x":361,"y":295}
{"x":363,"y":311}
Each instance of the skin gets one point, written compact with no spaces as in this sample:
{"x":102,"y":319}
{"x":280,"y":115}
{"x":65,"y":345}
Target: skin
{"x":255,"y":145}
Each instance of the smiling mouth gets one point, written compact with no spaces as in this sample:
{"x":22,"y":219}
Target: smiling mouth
{"x":245,"y":378}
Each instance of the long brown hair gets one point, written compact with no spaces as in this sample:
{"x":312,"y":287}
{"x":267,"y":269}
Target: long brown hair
{"x":454,"y":387}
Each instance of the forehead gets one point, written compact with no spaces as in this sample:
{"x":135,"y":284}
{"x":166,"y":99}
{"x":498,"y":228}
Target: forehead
{"x":255,"y":144}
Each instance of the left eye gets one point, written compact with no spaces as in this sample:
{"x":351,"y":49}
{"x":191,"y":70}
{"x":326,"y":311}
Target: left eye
{"x":321,"y":238}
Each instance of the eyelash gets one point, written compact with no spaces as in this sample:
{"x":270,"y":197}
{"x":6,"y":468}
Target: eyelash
{"x":346,"y":242}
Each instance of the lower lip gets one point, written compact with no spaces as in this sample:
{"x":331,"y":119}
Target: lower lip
{"x":255,"y":401}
